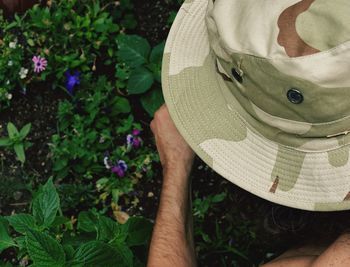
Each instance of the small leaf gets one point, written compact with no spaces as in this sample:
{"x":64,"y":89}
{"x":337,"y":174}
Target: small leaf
{"x":25,"y":130}
{"x":133,"y":50}
{"x":121,"y":105}
{"x":157,"y":54}
{"x":5,"y":142}
{"x":21,"y":222}
{"x":5,"y":239}
{"x":12,"y":130}
{"x":19,"y":149}
{"x":44,"y":250}
{"x":46,"y":204}
{"x":152,"y":101}
{"x":140,"y":80}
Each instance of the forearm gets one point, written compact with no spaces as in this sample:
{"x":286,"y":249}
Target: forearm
{"x":172,"y":240}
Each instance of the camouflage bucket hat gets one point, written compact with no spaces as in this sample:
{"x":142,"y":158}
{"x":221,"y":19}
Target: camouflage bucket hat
{"x":261,"y":91}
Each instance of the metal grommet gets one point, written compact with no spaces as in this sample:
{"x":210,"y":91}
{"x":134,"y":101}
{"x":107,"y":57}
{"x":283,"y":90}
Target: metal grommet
{"x":295,"y":96}
{"x":237,"y":75}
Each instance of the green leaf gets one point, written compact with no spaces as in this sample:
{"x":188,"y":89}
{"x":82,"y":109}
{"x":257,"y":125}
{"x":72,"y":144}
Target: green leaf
{"x":140,"y":80}
{"x":133,"y":50}
{"x":152,"y":101}
{"x":12,"y":130}
{"x":5,"y":239}
{"x":107,"y":228}
{"x":139,"y":231}
{"x":87,"y":221}
{"x":46,"y":204}
{"x":121,"y":105}
{"x":25,"y":130}
{"x":157,"y":54}
{"x":21,"y":222}
{"x":19,"y":149}
{"x":5,"y":142}
{"x":125,"y":254}
{"x":44,"y":250}
{"x":96,"y":254}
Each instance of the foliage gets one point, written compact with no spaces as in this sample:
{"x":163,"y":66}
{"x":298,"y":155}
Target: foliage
{"x":15,"y":140}
{"x":47,"y":238}
{"x":92,"y":128}
{"x":84,"y":35}
{"x":139,"y":69}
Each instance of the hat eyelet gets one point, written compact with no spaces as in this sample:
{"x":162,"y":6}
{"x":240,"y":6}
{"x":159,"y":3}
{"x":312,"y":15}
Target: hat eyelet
{"x":237,"y":75}
{"x":295,"y":96}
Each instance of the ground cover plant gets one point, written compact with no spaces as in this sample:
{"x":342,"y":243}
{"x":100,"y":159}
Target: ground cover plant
{"x":80,"y":174}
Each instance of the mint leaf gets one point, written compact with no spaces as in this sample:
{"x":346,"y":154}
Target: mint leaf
{"x":139,"y":231}
{"x":21,"y":222}
{"x":5,"y":239}
{"x":46,"y":204}
{"x":95,"y":254}
{"x":44,"y":250}
{"x":140,"y":80}
{"x":133,"y":50}
{"x":152,"y":101}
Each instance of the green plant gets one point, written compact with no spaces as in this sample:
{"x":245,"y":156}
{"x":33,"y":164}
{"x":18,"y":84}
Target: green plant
{"x":47,"y":238}
{"x":15,"y":140}
{"x":139,"y":70}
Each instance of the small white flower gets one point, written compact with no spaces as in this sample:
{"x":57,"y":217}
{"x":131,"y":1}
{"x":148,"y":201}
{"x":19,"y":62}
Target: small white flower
{"x":105,"y":161}
{"x":23,"y":73}
{"x":10,"y":63}
{"x":9,"y":96}
{"x":8,"y":82}
{"x":13,"y":44}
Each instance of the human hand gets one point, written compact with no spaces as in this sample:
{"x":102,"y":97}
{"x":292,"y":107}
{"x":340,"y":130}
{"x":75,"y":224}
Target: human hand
{"x":173,"y":150}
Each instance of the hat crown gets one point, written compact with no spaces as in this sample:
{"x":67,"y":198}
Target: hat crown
{"x":278,"y":46}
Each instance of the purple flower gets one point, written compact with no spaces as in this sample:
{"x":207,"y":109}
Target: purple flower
{"x":136,"y":132}
{"x":120,"y":168}
{"x":40,"y":64}
{"x":72,"y":80}
{"x":133,"y":139}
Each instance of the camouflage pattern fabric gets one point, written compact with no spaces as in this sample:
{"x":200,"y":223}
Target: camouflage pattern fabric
{"x":248,"y":130}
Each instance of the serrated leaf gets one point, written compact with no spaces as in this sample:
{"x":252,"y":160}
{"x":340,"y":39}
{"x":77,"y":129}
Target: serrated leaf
{"x":140,"y":80}
{"x":44,"y":250}
{"x":95,"y":254}
{"x":19,"y":149}
{"x":21,"y":222}
{"x":107,"y":228}
{"x":87,"y":221}
{"x":12,"y":130}
{"x":25,"y":130}
{"x":139,"y":231}
{"x":46,"y":204}
{"x":5,"y":239}
{"x":133,"y":50}
{"x":152,"y":101}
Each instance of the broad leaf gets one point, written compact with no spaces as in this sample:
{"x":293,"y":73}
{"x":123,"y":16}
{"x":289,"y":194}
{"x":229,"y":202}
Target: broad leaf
{"x":125,"y":254}
{"x":139,"y":231}
{"x":87,"y":221}
{"x":140,"y":80}
{"x":121,"y":105}
{"x":21,"y":222}
{"x":152,"y":101}
{"x":5,"y":239}
{"x":25,"y":130}
{"x":19,"y":149}
{"x":96,"y":254}
{"x":46,"y":204}
{"x":44,"y":250}
{"x":133,"y":50}
{"x":12,"y":130}
{"x":107,"y":228}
